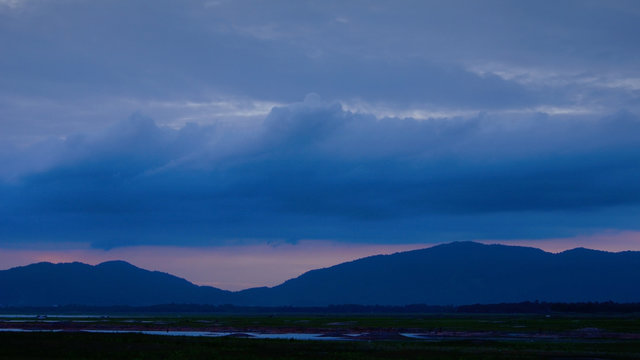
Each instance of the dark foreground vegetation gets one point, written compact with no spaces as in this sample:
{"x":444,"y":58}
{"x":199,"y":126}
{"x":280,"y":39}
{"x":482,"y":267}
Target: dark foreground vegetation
{"x":363,"y":336}
{"x":526,"y":307}
{"x":74,"y":345}
{"x":457,"y":325}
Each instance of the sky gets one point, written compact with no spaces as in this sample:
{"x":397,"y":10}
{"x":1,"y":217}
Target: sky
{"x":241,"y":143}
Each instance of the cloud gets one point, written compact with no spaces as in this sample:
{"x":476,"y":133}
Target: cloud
{"x":313,"y":170}
{"x":11,"y":4}
{"x":198,"y":61}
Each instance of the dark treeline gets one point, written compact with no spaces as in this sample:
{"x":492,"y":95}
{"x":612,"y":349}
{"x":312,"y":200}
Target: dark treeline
{"x":551,"y":307}
{"x":527,"y":307}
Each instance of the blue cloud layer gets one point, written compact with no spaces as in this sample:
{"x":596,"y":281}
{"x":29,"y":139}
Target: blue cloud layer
{"x":314,"y":170}
{"x":70,"y":59}
{"x":536,"y":134}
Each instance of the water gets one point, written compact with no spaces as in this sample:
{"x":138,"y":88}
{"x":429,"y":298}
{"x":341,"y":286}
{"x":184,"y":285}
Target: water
{"x":295,"y":336}
{"x":291,"y":336}
{"x":288,"y":336}
{"x":28,"y":330}
{"x":160,"y":332}
{"x":415,"y":336}
{"x":31,"y":316}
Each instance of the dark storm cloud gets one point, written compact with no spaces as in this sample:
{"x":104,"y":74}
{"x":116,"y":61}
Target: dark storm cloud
{"x":313,"y":170}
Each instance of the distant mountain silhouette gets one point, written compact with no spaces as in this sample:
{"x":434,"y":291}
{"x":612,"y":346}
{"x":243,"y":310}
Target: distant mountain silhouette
{"x":109,"y":283}
{"x":463,"y":273}
{"x":450,"y":274}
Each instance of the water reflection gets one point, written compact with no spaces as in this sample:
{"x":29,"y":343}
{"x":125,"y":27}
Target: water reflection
{"x":288,"y":336}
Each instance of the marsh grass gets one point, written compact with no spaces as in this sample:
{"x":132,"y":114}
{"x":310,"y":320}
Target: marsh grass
{"x":77,"y":345}
{"x":525,"y":323}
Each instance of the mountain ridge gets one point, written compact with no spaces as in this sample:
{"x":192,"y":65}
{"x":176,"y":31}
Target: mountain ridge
{"x":446,"y":274}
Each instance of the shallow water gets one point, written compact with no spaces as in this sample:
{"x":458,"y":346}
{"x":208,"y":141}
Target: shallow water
{"x":289,"y":336}
{"x":31,"y":316}
{"x":28,"y":330}
{"x":415,"y":336}
{"x":160,"y":332}
{"x":295,"y":336}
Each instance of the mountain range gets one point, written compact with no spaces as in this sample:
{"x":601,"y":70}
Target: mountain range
{"x":449,"y":274}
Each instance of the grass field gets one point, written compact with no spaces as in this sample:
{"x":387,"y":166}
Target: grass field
{"x":136,"y":346}
{"x":458,"y":337}
{"x":525,"y":323}
{"x":509,"y":323}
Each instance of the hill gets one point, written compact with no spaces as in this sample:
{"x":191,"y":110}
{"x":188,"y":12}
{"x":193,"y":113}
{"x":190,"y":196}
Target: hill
{"x":463,"y":273}
{"x":450,"y":274}
{"x":109,"y":283}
